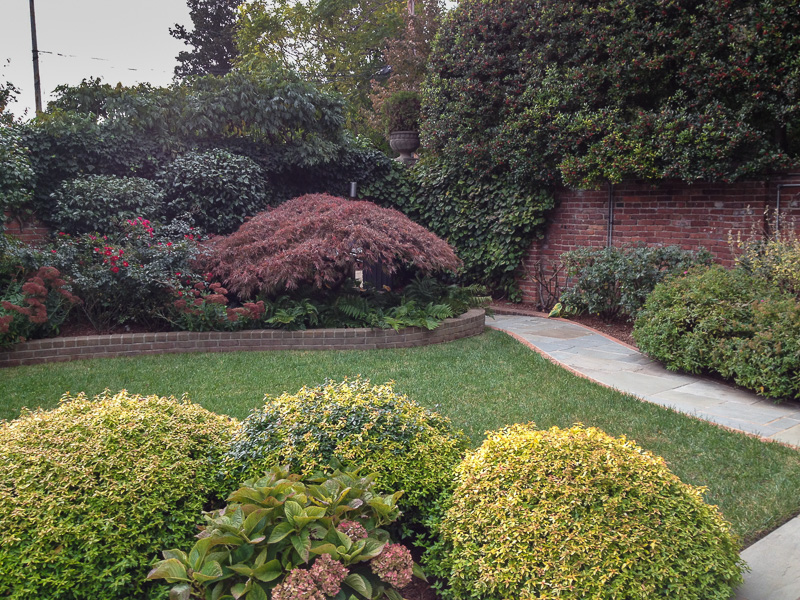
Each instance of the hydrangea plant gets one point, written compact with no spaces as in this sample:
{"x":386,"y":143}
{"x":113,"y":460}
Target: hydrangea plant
{"x":286,"y":538}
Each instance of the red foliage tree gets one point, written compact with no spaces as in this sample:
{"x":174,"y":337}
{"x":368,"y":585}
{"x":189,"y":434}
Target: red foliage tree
{"x":319,"y":239}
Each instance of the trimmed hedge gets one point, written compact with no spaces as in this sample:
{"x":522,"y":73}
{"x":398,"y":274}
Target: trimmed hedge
{"x":217,"y":190}
{"x":93,"y":490}
{"x":575,"y":513}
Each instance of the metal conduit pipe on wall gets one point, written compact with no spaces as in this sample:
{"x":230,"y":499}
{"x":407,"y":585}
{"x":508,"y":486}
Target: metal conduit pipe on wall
{"x":778,"y":202}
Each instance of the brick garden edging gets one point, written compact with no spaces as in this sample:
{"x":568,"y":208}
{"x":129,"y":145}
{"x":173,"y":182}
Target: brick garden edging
{"x":34,"y":352}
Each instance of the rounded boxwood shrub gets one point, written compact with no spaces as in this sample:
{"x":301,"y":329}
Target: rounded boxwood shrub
{"x":768,"y":359}
{"x":93,"y":490}
{"x":215,"y":189}
{"x":576,"y":513}
{"x":99,"y":203}
{"x":353,"y":423}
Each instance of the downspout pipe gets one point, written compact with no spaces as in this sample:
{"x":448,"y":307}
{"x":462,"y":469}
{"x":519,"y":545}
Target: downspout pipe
{"x":611,"y":214}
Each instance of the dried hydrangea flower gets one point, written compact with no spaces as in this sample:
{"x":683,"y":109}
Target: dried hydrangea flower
{"x":328,"y":574}
{"x":394,"y":565}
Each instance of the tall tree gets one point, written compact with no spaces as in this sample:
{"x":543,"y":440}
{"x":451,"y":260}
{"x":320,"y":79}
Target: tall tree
{"x":406,"y":55}
{"x":336,"y":43}
{"x":212,"y":38}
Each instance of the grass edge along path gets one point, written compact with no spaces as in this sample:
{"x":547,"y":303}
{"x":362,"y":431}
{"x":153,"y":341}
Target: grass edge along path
{"x":480,"y":383}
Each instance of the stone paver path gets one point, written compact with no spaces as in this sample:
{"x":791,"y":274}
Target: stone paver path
{"x":617,"y":365}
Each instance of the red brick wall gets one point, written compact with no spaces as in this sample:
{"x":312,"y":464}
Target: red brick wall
{"x":30,"y":230}
{"x":679,"y":214}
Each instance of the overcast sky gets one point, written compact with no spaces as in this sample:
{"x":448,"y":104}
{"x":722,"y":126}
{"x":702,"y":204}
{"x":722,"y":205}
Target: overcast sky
{"x":124,"y":41}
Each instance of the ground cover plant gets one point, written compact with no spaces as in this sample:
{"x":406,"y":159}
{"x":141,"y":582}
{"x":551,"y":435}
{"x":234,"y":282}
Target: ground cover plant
{"x":752,"y":482}
{"x":92,"y":490}
{"x":576,"y":513}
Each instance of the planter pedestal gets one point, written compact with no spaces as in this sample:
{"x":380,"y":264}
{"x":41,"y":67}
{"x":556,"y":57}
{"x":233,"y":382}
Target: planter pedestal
{"x":405,"y":143}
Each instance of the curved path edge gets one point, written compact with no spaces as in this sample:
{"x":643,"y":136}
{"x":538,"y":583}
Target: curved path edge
{"x":64,"y":349}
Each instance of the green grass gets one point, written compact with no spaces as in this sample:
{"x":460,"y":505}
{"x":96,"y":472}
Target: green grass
{"x":481,"y":383}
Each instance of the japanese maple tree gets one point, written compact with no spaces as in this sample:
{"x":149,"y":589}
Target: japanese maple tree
{"x":319,"y":240}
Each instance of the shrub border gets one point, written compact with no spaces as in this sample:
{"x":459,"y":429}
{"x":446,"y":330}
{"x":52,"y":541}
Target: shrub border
{"x":65,"y":349}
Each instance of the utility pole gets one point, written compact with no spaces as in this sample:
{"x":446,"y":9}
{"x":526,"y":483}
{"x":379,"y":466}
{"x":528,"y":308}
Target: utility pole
{"x":37,"y":84}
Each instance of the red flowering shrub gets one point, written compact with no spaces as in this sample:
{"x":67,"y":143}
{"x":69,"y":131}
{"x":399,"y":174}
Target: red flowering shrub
{"x":319,"y":239}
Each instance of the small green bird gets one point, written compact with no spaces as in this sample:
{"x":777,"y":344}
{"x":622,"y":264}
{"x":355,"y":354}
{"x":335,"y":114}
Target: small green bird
{"x":556,"y":312}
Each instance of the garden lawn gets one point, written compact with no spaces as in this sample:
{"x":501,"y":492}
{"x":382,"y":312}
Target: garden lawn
{"x":481,"y":383}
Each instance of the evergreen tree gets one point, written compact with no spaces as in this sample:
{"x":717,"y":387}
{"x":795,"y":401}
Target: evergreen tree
{"x":212,"y":38}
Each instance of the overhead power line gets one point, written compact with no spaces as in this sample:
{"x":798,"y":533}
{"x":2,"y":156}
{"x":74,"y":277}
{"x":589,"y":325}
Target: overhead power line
{"x":102,"y":60}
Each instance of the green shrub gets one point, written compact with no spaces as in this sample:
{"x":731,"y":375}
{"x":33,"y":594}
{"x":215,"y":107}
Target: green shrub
{"x":732,"y":322}
{"x":410,"y":448}
{"x":401,"y":112}
{"x":767,"y":359}
{"x":775,"y":259}
{"x":100,"y":203}
{"x":286,"y":539}
{"x":17,"y":177}
{"x":215,"y":189}
{"x":576,"y":513}
{"x":614,"y":281}
{"x":686,"y":316}
{"x":92,"y":490}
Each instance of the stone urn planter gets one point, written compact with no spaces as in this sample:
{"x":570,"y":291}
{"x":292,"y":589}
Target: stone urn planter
{"x":404,"y":143}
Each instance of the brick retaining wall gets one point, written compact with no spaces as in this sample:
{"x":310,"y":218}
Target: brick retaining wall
{"x":469,"y":324}
{"x":671,"y":213}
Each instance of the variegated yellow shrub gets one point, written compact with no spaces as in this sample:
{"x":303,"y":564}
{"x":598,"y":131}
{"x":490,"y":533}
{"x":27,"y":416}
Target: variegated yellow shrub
{"x":92,"y":491}
{"x":775,"y":259}
{"x":576,"y":513}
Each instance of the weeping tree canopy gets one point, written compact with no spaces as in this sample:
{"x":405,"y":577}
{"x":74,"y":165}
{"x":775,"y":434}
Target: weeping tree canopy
{"x":584,"y":92}
{"x":318,"y":240}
